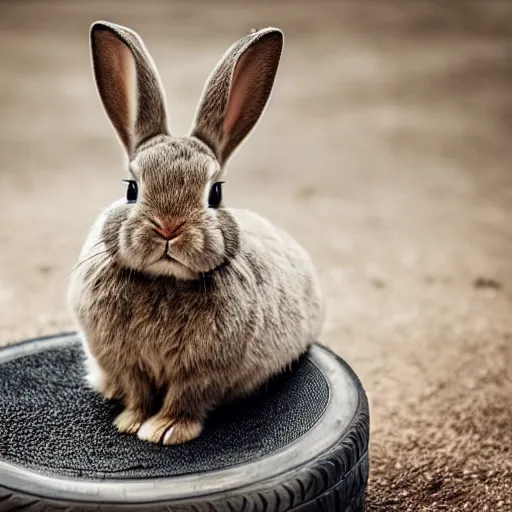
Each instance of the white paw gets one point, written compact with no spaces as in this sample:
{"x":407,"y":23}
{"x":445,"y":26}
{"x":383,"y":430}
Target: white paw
{"x":169,"y":431}
{"x":128,"y":421}
{"x":183,"y":432}
{"x":154,"y":428}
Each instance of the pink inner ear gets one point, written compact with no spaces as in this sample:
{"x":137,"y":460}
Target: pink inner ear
{"x":240,"y":88}
{"x":117,"y":81}
{"x":128,"y":77}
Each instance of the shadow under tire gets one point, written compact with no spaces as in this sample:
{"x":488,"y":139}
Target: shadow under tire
{"x":299,"y":444}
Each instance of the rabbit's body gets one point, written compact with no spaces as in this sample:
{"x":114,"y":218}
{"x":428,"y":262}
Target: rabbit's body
{"x":191,"y":334}
{"x":183,"y":303}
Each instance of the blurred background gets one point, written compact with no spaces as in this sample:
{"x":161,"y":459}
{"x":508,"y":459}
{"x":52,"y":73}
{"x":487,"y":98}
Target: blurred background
{"x":386,"y":150}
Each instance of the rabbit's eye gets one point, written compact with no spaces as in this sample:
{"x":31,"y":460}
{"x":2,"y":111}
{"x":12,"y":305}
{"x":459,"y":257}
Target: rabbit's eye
{"x":131,"y":191}
{"x":215,"y":195}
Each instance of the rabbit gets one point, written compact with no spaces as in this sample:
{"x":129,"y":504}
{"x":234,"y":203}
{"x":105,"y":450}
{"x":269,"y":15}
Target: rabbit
{"x":181,"y":302}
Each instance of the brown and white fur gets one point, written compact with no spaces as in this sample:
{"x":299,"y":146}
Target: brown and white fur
{"x":175,"y":299}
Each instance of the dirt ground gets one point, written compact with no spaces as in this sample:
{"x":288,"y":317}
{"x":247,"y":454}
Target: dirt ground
{"x":386,"y":151}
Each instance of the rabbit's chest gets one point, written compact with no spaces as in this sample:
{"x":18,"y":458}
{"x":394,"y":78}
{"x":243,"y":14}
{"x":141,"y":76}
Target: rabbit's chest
{"x":166,"y":332}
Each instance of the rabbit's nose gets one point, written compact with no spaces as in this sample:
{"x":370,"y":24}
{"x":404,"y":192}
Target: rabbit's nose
{"x":166,"y":228}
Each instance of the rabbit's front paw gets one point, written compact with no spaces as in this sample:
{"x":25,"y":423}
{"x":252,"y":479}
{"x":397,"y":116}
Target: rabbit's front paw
{"x":154,"y":428}
{"x":168,"y":430}
{"x":183,"y":432}
{"x":129,"y":421}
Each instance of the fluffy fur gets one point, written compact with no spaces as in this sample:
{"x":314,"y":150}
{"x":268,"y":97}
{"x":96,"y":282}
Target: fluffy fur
{"x":172,"y":326}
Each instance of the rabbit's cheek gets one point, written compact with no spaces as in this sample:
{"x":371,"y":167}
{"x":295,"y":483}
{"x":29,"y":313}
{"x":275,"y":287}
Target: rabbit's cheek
{"x":114,"y":218}
{"x":188,"y":242}
{"x":138,"y":246}
{"x":230,"y":234}
{"x":127,"y":254}
{"x":213,"y":247}
{"x":201,"y":250}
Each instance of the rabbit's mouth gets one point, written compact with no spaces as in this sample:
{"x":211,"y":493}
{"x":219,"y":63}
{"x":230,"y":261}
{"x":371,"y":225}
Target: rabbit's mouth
{"x":166,"y":265}
{"x":166,"y":257}
{"x":171,"y":259}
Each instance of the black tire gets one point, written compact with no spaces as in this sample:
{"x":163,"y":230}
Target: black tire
{"x":322,"y":469}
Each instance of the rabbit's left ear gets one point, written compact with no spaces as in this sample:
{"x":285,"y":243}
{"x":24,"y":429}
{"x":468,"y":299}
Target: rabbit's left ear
{"x":128,"y":84}
{"x":237,"y":91}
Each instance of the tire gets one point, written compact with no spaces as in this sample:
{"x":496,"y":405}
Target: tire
{"x":315,"y":459}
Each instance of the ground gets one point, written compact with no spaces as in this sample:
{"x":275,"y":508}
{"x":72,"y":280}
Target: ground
{"x":386,"y":151}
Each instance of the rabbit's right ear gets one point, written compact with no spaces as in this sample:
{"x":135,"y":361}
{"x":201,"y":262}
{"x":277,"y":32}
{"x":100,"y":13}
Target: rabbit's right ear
{"x":128,"y":84}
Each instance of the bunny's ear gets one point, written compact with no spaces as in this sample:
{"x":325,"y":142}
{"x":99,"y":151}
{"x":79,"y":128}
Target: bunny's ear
{"x":128,"y":84}
{"x":237,"y":91}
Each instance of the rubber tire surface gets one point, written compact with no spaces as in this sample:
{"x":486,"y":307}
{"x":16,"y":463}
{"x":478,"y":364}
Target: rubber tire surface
{"x":332,"y":481}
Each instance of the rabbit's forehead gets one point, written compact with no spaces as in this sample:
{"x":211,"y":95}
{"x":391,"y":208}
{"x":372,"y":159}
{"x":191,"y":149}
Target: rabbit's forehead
{"x":175,"y":162}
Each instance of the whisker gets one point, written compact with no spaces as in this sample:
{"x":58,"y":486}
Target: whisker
{"x":101,"y":241}
{"x":80,"y":263}
{"x":104,"y":260}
